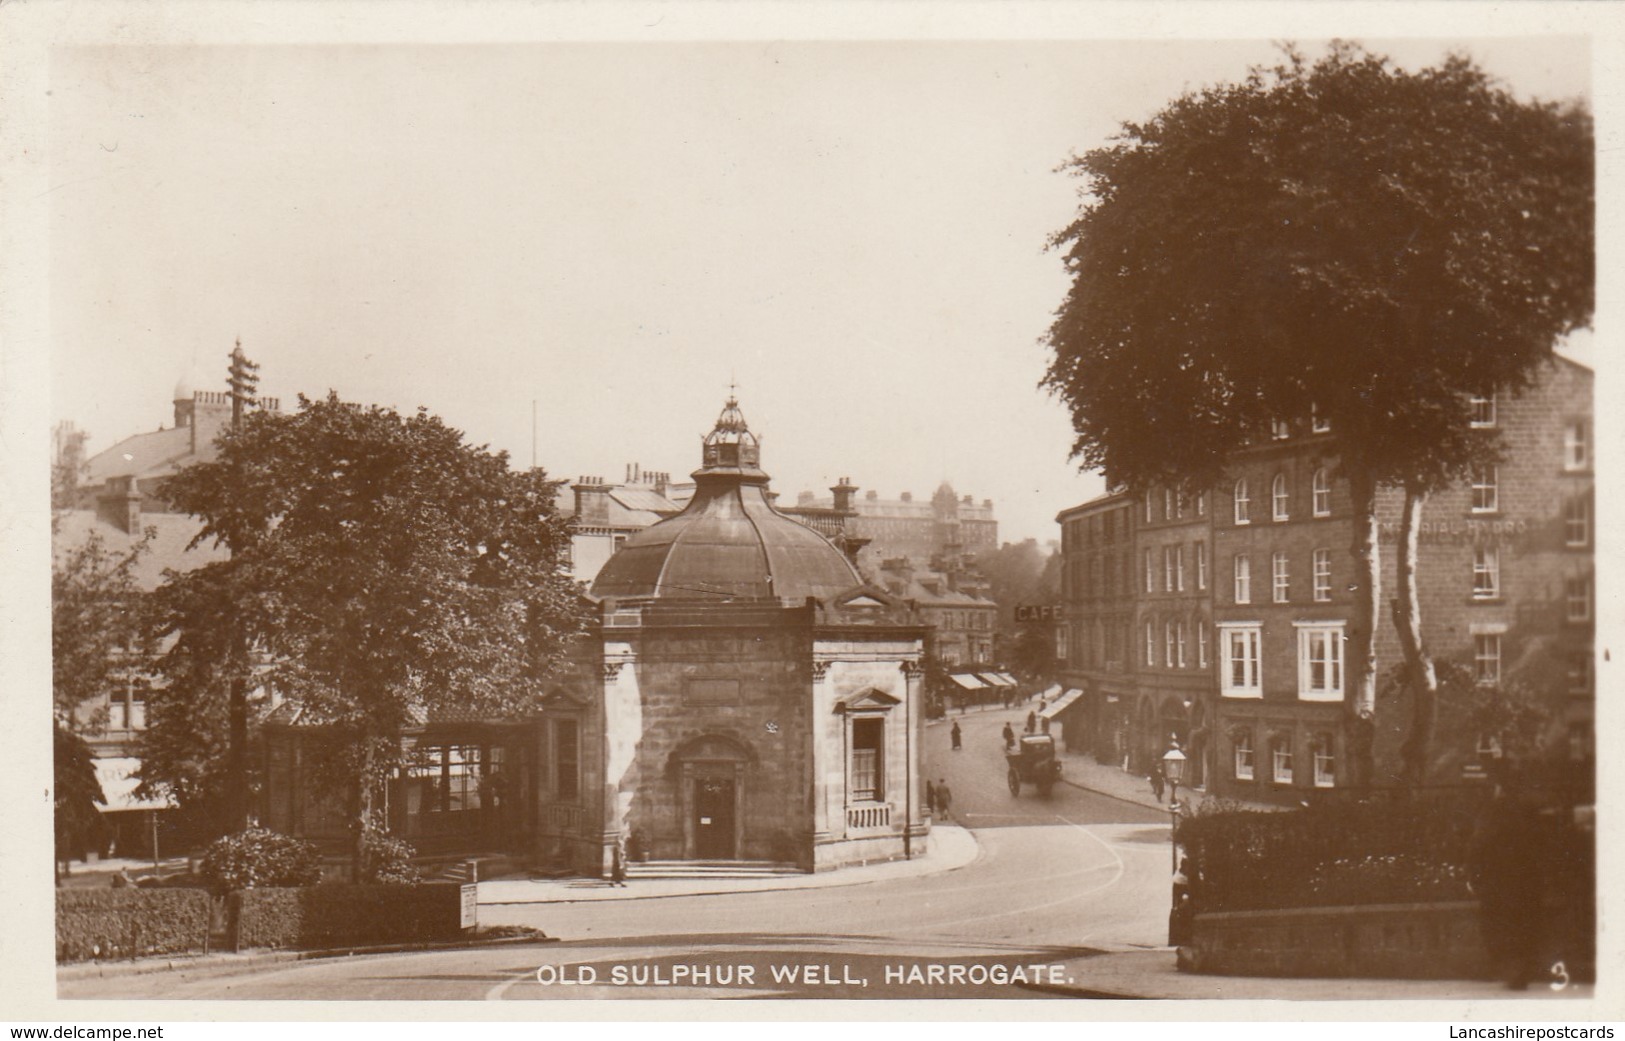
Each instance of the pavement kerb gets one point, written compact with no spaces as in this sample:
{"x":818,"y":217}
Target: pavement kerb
{"x":225,"y":963}
{"x":825,"y":880}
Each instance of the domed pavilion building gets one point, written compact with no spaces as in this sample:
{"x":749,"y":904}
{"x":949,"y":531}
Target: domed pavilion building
{"x":757,"y":701}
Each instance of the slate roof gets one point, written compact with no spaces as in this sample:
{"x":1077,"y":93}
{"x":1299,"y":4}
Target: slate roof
{"x":153,"y":454}
{"x":167,"y":550}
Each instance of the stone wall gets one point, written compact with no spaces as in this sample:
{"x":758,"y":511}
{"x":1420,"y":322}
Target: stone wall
{"x":1397,"y":941}
{"x":700,"y":695}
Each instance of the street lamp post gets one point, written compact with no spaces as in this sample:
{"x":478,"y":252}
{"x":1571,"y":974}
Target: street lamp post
{"x":1173,"y":770}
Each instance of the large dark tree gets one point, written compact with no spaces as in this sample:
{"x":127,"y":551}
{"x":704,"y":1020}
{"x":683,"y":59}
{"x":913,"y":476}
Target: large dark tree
{"x":380,"y":566}
{"x":1345,"y":237}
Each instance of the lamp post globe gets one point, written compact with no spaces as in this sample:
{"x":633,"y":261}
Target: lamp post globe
{"x":1173,"y":766}
{"x":1173,"y":771}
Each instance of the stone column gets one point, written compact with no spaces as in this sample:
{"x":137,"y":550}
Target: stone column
{"x":913,"y":676}
{"x":820,"y":758}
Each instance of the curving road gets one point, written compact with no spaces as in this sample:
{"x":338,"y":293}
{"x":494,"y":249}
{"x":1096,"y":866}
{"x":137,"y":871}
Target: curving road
{"x":1057,"y":878}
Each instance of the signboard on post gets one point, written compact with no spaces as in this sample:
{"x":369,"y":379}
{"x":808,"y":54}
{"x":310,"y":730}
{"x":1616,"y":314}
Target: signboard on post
{"x":470,"y":907}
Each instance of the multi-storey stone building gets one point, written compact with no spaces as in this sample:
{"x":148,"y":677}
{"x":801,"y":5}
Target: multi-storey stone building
{"x":1265,"y":596}
{"x":962,"y":621}
{"x":1094,"y":641}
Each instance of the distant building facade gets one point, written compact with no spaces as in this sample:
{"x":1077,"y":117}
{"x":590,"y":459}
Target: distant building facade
{"x":906,"y":527}
{"x":962,"y":620}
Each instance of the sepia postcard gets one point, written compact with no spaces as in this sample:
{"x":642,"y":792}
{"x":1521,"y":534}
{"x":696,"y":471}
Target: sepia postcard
{"x":1064,"y":512}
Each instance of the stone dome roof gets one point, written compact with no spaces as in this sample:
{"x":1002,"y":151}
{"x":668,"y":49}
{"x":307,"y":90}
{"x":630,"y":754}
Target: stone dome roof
{"x":729,"y":543}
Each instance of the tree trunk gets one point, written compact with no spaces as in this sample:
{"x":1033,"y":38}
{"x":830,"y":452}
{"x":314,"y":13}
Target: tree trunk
{"x":1420,"y":676}
{"x":364,"y":803}
{"x":237,"y":740}
{"x":1360,"y":704}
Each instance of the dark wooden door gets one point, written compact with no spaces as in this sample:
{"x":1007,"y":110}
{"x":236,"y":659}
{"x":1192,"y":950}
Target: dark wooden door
{"x":714,"y":819}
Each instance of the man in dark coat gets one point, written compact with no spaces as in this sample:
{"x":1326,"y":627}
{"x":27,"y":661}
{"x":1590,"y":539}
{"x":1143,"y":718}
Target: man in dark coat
{"x":945,"y":798}
{"x":954,"y":733}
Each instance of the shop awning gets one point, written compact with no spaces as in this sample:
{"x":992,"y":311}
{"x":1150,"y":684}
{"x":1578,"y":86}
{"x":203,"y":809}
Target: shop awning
{"x":970,"y":681}
{"x":118,"y":781}
{"x":1009,"y":680}
{"x":996,"y":679}
{"x":1060,"y":703}
{"x":1052,"y":691}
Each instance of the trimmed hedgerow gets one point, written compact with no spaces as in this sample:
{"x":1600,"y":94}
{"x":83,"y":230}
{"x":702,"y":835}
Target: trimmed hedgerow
{"x":1381,"y":851}
{"x":324,"y":916}
{"x":260,"y":857}
{"x":103,"y":924}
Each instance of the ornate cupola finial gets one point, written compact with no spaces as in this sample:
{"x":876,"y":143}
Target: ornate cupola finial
{"x":730,"y":447}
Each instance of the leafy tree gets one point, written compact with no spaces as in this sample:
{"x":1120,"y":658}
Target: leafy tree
{"x":186,"y":748}
{"x":381,"y":566}
{"x":1342,"y":238}
{"x":98,"y":650}
{"x":77,"y":793}
{"x":1021,"y":573}
{"x":98,"y":629}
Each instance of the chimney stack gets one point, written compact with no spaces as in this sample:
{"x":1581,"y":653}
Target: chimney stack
{"x":844,"y":491}
{"x":119,"y":504}
{"x":592,"y":500}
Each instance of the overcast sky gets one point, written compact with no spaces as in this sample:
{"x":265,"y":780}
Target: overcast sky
{"x":853,"y":231}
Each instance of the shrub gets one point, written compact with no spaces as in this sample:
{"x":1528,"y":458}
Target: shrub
{"x":259,"y":857}
{"x":317,"y":917}
{"x":130,"y":923}
{"x":1331,"y":853}
{"x":387,"y":860}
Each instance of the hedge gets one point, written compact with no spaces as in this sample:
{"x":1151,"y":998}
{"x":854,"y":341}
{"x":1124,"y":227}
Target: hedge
{"x":1383,"y":851}
{"x":130,"y":923}
{"x":336,"y":915}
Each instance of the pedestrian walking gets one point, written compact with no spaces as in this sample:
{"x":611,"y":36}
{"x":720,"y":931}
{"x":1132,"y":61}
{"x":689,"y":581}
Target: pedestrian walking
{"x":1157,"y":784}
{"x":945,"y":798}
{"x":617,"y":869}
{"x":930,"y":798}
{"x":1032,"y":721}
{"x":1009,"y":735}
{"x":954,"y":733}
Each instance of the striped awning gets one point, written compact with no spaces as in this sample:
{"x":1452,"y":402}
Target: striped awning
{"x":1060,"y":704}
{"x":996,"y":679}
{"x":970,"y":681}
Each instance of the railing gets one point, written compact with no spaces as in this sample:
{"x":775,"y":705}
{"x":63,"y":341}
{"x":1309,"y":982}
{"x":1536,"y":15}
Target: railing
{"x":859,"y":818}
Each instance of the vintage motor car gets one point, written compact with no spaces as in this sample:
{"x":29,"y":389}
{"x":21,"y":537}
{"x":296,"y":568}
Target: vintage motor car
{"x":1032,"y":761}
